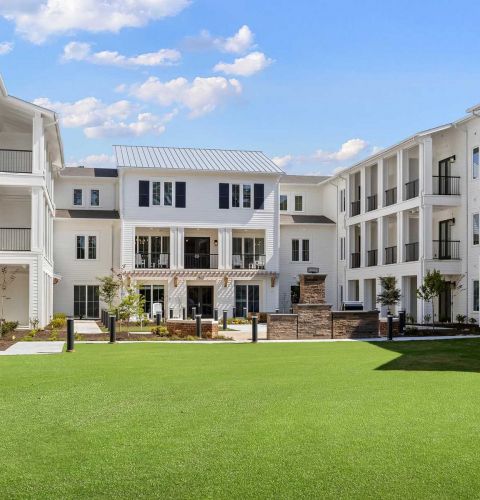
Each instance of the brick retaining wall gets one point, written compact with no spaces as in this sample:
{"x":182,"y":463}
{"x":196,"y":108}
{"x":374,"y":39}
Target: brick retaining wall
{"x":354,"y":324}
{"x":282,"y":327}
{"x":313,"y":321}
{"x":185,"y":328}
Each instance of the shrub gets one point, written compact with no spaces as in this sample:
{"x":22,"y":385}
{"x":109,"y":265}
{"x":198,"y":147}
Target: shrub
{"x":59,"y":315}
{"x":238,"y":321}
{"x":34,"y":322}
{"x":53,"y":335}
{"x":427,"y":318}
{"x":58,"y":323}
{"x":472,"y":321}
{"x":461,"y":318}
{"x":160,"y":331}
{"x":8,"y":327}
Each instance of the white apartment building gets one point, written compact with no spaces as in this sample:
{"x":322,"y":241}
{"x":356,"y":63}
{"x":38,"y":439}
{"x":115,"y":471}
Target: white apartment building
{"x":30,"y":156}
{"x":228,"y":230}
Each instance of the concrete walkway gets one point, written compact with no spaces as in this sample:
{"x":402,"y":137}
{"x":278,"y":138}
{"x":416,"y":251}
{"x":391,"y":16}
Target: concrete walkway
{"x":86,"y":326}
{"x":46,"y":347}
{"x":244,"y":332}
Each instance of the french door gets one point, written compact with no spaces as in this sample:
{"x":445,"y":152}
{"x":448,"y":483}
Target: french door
{"x":86,"y":301}
{"x":197,"y":253}
{"x":152,"y":294}
{"x":200,"y":297}
{"x":444,"y":175}
{"x":247,"y":296}
{"x":444,"y":238}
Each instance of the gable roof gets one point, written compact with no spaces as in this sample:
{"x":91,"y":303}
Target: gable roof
{"x":220,"y":160}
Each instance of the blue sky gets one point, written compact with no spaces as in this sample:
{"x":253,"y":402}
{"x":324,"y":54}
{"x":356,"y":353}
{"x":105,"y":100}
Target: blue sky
{"x":310,"y":76}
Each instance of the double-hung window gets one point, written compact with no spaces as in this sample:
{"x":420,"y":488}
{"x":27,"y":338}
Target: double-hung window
{"x":94,"y":198}
{"x":475,"y":228}
{"x":156,"y":193}
{"x":298,"y":203}
{"x":283,"y":202}
{"x":247,"y":196}
{"x":86,"y":247}
{"x":80,"y":247}
{"x":168,"y":194}
{"x":235,"y":195}
{"x":77,"y":197}
{"x":295,"y":250}
{"x":305,"y":250}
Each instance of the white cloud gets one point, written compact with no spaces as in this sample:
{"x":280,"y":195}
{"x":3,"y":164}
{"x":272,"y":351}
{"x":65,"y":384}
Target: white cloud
{"x":36,"y":20}
{"x":239,"y":43}
{"x":245,"y":66}
{"x":5,"y":48}
{"x":98,"y":120}
{"x":348,"y":151}
{"x":199,"y":96}
{"x":101,"y":160}
{"x":77,"y":51}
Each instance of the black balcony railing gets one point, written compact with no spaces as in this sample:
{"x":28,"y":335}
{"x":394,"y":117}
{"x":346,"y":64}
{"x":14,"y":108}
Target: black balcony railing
{"x":448,"y":185}
{"x":390,"y":196}
{"x":371,"y":202}
{"x":391,"y":255}
{"x":411,"y":189}
{"x":152,"y":261}
{"x":248,"y":261}
{"x":15,"y":239}
{"x":446,"y":250}
{"x":355,"y":260}
{"x":372,"y":257}
{"x":354,"y":208}
{"x":411,"y":252}
{"x":17,"y":162}
{"x":201,"y":261}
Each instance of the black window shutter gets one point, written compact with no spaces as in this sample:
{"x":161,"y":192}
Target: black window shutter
{"x":180,"y":194}
{"x":143,"y":193}
{"x":258,"y":196}
{"x":223,"y":195}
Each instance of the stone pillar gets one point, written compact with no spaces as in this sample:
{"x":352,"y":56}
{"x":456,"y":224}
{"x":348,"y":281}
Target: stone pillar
{"x":312,"y":288}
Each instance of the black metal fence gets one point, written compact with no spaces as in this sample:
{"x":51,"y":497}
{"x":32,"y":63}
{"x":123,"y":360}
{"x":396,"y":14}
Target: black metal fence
{"x":411,"y":252}
{"x":248,"y":261}
{"x":411,"y":189}
{"x":372,"y":257}
{"x":15,"y":161}
{"x":448,"y":185}
{"x":15,"y":239}
{"x":355,"y":260}
{"x":201,"y":261}
{"x":152,"y":261}
{"x":391,"y":255}
{"x":390,"y":196}
{"x":371,"y":202}
{"x":354,"y":208}
{"x":446,"y":250}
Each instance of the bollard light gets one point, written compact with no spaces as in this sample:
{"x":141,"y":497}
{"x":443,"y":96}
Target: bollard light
{"x":225,"y":319}
{"x":194,"y":312}
{"x":390,"y":326}
{"x":245,"y":313}
{"x":70,"y":335}
{"x":158,"y":318}
{"x":401,"y":321}
{"x":112,"y":327}
{"x":184,"y":313}
{"x":199,"y":326}
{"x":254,"y":328}
{"x":171,"y":313}
{"x":215,"y":314}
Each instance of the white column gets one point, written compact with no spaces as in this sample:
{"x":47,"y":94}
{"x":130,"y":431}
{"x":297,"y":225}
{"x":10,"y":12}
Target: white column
{"x":381,"y":243}
{"x":229,"y":247}
{"x":38,"y":145}
{"x":425,"y":166}
{"x":400,"y":177}
{"x":380,"y":179}
{"x":400,"y":236}
{"x":180,"y":247}
{"x":363,"y":244}
{"x":37,"y":219}
{"x":363,"y":190}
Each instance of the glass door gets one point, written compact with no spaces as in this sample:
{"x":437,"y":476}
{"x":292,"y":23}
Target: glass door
{"x":86,"y":301}
{"x":444,"y":237}
{"x":444,"y":173}
{"x":247,"y":296}
{"x":200,"y":297}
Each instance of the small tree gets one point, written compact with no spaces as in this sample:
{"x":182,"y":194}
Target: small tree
{"x":390,"y":294}
{"x":132,"y":304}
{"x":109,"y":288}
{"x":433,"y":285}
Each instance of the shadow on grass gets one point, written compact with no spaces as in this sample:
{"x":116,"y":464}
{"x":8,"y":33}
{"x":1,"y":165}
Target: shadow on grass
{"x":433,"y":355}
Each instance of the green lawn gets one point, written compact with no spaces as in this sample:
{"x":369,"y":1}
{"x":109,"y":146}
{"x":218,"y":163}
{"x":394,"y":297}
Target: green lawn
{"x":243,"y":421}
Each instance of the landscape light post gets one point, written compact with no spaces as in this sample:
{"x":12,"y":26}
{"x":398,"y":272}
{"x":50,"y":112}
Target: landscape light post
{"x":401,"y":321}
{"x":215,"y":314}
{"x":70,"y":335}
{"x":390,"y":326}
{"x":225,"y":319}
{"x":112,"y":327}
{"x":184,"y":313}
{"x":194,"y":312}
{"x":245,"y":313}
{"x":158,"y":317}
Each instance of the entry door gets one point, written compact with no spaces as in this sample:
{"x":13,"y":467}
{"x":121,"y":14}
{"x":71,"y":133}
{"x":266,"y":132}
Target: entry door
{"x":152,"y":295}
{"x":444,"y":237}
{"x":86,"y":302}
{"x":197,"y":253}
{"x":247,"y":296}
{"x":200,"y":297}
{"x":445,"y":303}
{"x":444,"y":173}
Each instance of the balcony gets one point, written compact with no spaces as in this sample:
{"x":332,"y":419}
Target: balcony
{"x":15,"y":162}
{"x":152,"y":261}
{"x":446,"y":250}
{"x":411,"y":189}
{"x":390,"y":196}
{"x":411,"y":252}
{"x":372,"y":257}
{"x":391,"y":255}
{"x":200,"y":261}
{"x":371,"y":202}
{"x":446,"y":185}
{"x":354,"y":208}
{"x":248,"y":261}
{"x":355,"y":260}
{"x":14,"y":239}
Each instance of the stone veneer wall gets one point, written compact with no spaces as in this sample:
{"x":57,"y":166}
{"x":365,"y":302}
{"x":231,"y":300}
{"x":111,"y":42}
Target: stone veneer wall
{"x":185,"y":328}
{"x":312,"y":288}
{"x":314,"y":321}
{"x":354,"y":324}
{"x":282,"y":327}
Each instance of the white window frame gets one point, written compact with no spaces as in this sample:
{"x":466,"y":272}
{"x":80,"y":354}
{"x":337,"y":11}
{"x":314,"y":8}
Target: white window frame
{"x":472,"y":241}
{"x":251,"y":196}
{"x":309,"y":250}
{"x":73,"y":197}
{"x":280,"y":202}
{"x":477,"y":177}
{"x":87,"y":237}
{"x":162,"y":193}
{"x":302,"y":195}
{"x":342,"y":247}
{"x":90,"y":197}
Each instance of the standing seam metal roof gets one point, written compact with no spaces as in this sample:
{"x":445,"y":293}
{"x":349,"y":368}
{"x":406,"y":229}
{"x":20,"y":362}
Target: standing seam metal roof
{"x":195,"y":159}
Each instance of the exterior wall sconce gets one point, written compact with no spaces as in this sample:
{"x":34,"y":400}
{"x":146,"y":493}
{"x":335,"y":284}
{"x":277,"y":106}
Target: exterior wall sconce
{"x":215,"y":242}
{"x":175,"y":281}
{"x":225,"y":281}
{"x":272,"y":281}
